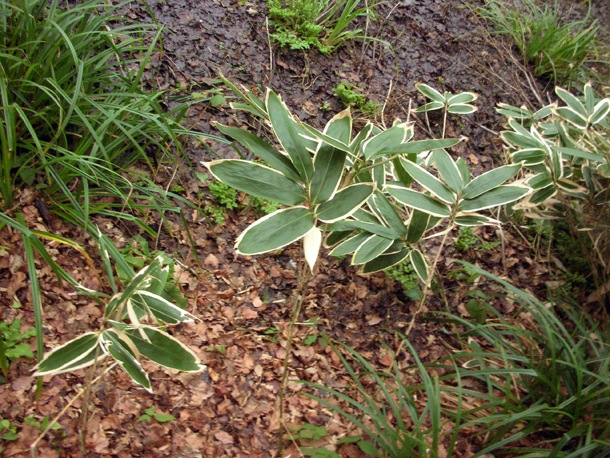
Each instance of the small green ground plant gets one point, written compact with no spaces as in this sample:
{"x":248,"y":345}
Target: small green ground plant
{"x":553,"y":45}
{"x":12,"y":345}
{"x":408,"y":278}
{"x":350,"y":96}
{"x":321,"y":24}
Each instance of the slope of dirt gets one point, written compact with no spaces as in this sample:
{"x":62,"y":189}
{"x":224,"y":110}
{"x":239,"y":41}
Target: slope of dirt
{"x":231,"y":408}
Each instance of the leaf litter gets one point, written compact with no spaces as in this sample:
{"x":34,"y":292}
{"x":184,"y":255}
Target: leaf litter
{"x":231,"y":408}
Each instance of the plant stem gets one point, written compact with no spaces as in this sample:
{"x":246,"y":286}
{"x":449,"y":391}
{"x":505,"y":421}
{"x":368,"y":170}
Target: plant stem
{"x":429,"y":282}
{"x":304,"y":276}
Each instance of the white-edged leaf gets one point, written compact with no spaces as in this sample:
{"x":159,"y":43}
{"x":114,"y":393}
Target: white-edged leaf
{"x":311,"y":246}
{"x":474,"y":219}
{"x":600,"y":111}
{"x":257,"y":180}
{"x":329,"y":163}
{"x":372,"y":247}
{"x":430,"y":92}
{"x":344,"y":203}
{"x":350,"y":245}
{"x":419,"y":265}
{"x":75,"y":354}
{"x":429,"y":182}
{"x":419,"y":201}
{"x":162,"y":309}
{"x":275,"y":231}
{"x":501,"y":195}
{"x":571,"y":101}
{"x":287,"y":132}
{"x":163,"y":349}
{"x":384,"y":261}
{"x":114,"y":347}
{"x":262,"y":149}
{"x":432,"y":106}
{"x":448,"y":170}
{"x":463,"y":97}
{"x":490,"y":180}
{"x":462,"y":108}
{"x":387,"y":141}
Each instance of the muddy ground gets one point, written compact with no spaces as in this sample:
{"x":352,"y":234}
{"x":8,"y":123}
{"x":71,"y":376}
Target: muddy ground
{"x":231,"y":408}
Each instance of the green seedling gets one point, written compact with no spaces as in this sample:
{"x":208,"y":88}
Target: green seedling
{"x":407,"y":277}
{"x":12,"y":346}
{"x":350,"y":96}
{"x":160,"y":417}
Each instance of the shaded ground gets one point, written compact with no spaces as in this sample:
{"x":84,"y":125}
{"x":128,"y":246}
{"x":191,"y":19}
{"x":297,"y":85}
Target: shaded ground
{"x":230,"y":409}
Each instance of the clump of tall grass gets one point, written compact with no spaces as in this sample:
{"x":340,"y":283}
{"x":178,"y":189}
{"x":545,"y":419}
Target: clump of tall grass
{"x":554,"y":47}
{"x":75,"y":108}
{"x":541,"y":377}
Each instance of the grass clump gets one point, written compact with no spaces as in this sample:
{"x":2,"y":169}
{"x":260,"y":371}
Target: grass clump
{"x":320,"y":24}
{"x":555,"y":47}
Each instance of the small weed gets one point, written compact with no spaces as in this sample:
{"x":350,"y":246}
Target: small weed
{"x":225,"y":195}
{"x":406,"y":276}
{"x":218,"y":214}
{"x":41,"y":425}
{"x":467,"y":240}
{"x":8,"y":431}
{"x":325,"y":106}
{"x":350,"y":97}
{"x":263,"y":206}
{"x":150,"y":413}
{"x":12,"y":346}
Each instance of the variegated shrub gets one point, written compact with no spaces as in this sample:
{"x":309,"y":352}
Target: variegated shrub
{"x":133,"y":327}
{"x":373,"y":194}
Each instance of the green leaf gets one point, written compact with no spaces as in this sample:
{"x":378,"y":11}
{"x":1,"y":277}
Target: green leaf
{"x":263,"y":150}
{"x":163,"y":418}
{"x":429,"y":182}
{"x":600,"y":112}
{"x":464,"y":97}
{"x":384,"y":261}
{"x":419,"y":265}
{"x":368,"y":447}
{"x":448,"y":170}
{"x":162,"y":309}
{"x":387,"y":141}
{"x":461,"y":108}
{"x":473,"y":219}
{"x":464,"y":170}
{"x":329,"y":163}
{"x":69,"y":355}
{"x":490,"y":180}
{"x":340,"y":127}
{"x":430,"y":92}
{"x":373,"y":246}
{"x":287,"y":131}
{"x":116,"y":347}
{"x":498,"y":196}
{"x":430,"y":107}
{"x":275,"y":231}
{"x":384,"y":210}
{"x":418,"y":224}
{"x":257,"y":180}
{"x":163,"y":349}
{"x":419,"y":201}
{"x":344,"y":203}
{"x":350,"y":245}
